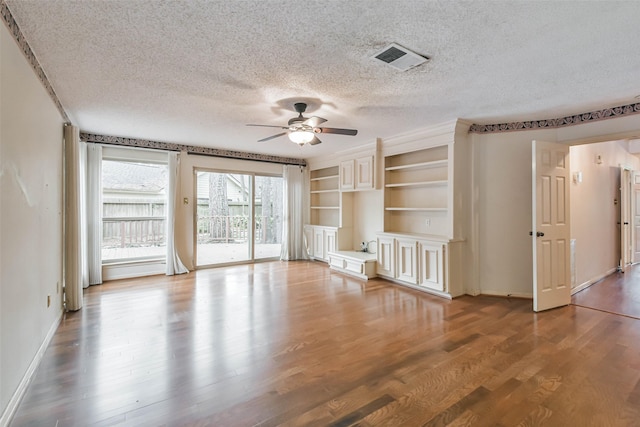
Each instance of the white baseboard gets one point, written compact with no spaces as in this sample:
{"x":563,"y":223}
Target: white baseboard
{"x":12,"y":406}
{"x":491,"y":293}
{"x":593,"y":280}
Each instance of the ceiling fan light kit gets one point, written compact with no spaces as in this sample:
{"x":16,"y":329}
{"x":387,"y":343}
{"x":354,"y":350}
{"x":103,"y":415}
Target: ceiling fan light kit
{"x":301,"y":137}
{"x":301,"y":130}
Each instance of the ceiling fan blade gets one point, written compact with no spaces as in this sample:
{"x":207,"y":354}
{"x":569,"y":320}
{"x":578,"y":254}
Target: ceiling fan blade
{"x":315,"y":141}
{"x":351,"y":132}
{"x":270,"y":126}
{"x":314,"y":121}
{"x":272,"y":137}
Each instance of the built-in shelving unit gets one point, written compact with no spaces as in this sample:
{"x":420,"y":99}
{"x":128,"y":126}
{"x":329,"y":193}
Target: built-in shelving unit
{"x":416,"y":198}
{"x":325,"y":197}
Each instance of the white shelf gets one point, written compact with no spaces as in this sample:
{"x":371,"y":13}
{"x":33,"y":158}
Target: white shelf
{"x":324,"y":191}
{"x":325,"y":207}
{"x":416,"y":209}
{"x":424,"y":165}
{"x":418,"y":184}
{"x":322,"y":178}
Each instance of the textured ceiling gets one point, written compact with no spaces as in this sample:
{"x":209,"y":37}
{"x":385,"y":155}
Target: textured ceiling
{"x":196,"y":72}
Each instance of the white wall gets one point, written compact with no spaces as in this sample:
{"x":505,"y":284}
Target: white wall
{"x":594,"y":214}
{"x":367,"y":216}
{"x":30,"y":216}
{"x":186,"y":188}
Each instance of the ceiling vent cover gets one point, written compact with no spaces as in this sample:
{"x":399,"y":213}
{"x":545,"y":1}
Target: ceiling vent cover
{"x":399,"y":57}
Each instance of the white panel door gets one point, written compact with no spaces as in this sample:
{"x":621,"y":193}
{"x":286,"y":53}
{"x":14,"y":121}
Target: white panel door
{"x":635,"y":202}
{"x":385,"y":257}
{"x":364,"y":173}
{"x":407,"y":256}
{"x":431,"y":266}
{"x":550,"y":224}
{"x":346,"y":175}
{"x":318,"y":243}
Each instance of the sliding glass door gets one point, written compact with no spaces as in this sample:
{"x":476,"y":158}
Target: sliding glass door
{"x":239,"y":217}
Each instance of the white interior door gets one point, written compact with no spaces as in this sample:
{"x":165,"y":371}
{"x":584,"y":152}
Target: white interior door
{"x":550,"y":224}
{"x":635,"y":202}
{"x":625,"y":218}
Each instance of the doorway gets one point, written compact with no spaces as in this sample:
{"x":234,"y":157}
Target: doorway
{"x":604,"y":208}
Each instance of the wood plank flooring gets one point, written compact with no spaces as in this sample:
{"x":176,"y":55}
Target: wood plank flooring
{"x":617,"y":293}
{"x":295,"y":344}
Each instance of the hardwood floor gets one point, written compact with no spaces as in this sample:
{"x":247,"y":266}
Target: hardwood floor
{"x":295,"y":344}
{"x":617,"y":293}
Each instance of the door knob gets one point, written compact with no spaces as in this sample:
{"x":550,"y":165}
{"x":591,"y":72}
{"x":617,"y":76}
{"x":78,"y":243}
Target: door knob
{"x":538,"y":233}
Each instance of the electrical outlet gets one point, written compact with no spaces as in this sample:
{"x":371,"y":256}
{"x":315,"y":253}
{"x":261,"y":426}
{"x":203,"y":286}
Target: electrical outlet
{"x":428,"y":222}
{"x":48,"y":300}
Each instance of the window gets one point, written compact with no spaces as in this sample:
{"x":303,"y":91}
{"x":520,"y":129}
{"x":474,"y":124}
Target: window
{"x":133,"y":210}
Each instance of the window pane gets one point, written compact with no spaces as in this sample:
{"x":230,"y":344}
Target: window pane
{"x":133,"y":210}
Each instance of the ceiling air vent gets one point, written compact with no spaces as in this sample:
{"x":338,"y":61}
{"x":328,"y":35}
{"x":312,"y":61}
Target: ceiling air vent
{"x":399,"y":57}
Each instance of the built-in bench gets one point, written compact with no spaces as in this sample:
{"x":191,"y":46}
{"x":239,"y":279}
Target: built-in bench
{"x":355,"y":263}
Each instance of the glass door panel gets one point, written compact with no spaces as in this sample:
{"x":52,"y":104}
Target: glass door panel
{"x":223,"y":218}
{"x":268,"y":216}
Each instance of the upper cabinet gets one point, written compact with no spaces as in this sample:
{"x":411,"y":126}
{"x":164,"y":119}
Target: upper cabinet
{"x":357,"y":174}
{"x":347,"y":179}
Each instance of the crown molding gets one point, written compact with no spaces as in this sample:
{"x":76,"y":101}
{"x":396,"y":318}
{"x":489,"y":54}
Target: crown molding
{"x":577,"y":119}
{"x":13,"y":28}
{"x":190,"y":149}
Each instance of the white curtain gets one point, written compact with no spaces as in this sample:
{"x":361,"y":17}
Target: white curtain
{"x":94,"y":213}
{"x":174,"y":265}
{"x":82,"y":194}
{"x":295,"y":213}
{"x":72,"y":220}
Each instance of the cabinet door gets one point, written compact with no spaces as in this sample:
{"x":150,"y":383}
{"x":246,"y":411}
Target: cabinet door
{"x":318,"y":243}
{"x":407,"y":261}
{"x":330,"y":242}
{"x":346,"y":175}
{"x":385,"y":257}
{"x":364,"y":173}
{"x":308,"y":240}
{"x":431,"y":265}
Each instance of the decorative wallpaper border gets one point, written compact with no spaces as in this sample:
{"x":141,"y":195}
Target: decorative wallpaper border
{"x":592,"y":116}
{"x":13,"y":28}
{"x":191,"y":149}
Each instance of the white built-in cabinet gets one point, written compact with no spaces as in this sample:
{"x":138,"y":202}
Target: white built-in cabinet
{"x":328,"y":226}
{"x":320,"y":241}
{"x":357,"y":174}
{"x":429,"y":263}
{"x":425,"y":211}
{"x":424,"y":208}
